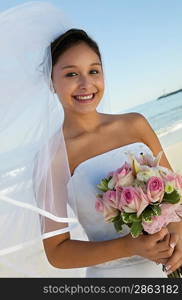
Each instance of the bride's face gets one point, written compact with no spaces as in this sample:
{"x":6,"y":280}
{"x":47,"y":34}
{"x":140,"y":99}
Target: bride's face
{"x":78,"y":79}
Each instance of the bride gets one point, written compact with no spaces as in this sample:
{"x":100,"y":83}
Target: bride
{"x":95,"y":143}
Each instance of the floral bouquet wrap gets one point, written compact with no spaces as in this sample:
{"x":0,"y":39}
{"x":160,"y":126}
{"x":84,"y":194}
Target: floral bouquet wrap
{"x":143,"y":195}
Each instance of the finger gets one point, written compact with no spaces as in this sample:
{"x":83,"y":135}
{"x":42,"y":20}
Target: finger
{"x":165,"y":254}
{"x":163,"y":245}
{"x":165,"y":239}
{"x":162,"y":261}
{"x":174,"y":237}
{"x":159,"y":236}
{"x":173,"y":260}
{"x":170,"y":269}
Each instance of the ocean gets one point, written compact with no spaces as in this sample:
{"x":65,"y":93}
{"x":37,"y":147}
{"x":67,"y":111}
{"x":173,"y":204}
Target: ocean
{"x":164,"y":116}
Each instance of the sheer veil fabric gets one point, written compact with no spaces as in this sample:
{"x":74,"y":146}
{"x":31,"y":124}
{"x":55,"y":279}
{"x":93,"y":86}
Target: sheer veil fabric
{"x":34,"y":168}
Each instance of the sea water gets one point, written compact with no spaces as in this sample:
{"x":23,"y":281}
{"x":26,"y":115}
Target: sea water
{"x":164,"y":116}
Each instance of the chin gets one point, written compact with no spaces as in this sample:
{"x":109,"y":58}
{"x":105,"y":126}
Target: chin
{"x":86,"y":110}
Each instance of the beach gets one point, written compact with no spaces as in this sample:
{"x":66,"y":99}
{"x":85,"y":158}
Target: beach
{"x":174,"y":155}
{"x":135,"y":67}
{"x":35,"y":261}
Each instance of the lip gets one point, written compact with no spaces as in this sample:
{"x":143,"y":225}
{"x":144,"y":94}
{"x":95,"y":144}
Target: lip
{"x":85,"y":101}
{"x":82,"y":95}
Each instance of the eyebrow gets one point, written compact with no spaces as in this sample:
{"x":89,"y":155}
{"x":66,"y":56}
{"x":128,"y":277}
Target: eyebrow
{"x":73,"y":66}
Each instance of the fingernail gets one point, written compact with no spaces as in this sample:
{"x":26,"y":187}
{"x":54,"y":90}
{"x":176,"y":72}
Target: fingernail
{"x":169,"y":272}
{"x":172,"y":245}
{"x":167,"y":267}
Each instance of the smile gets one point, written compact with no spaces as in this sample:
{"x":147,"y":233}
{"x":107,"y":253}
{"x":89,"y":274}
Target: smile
{"x":84,"y":98}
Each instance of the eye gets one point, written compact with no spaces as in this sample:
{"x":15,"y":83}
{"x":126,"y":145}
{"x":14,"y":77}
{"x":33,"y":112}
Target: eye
{"x":71,"y":74}
{"x":94,"y":71}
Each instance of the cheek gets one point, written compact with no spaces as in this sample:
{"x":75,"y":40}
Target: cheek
{"x":100,"y":84}
{"x":64,"y":89}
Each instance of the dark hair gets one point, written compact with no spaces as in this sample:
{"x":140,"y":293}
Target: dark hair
{"x":71,"y":38}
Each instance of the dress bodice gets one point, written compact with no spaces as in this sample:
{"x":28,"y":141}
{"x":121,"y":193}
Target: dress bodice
{"x":85,"y":178}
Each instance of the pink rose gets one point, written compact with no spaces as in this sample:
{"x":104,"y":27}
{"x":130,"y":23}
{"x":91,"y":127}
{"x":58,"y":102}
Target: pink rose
{"x":110,"y":199}
{"x":155,"y":189}
{"x":133,"y":200}
{"x":119,"y":190}
{"x":99,"y":205}
{"x":169,"y":213}
{"x":124,"y":175}
{"x":167,"y":177}
{"x":108,"y":211}
{"x":144,"y":201}
{"x":127,"y":198}
{"x":110,"y":205}
{"x":178,"y":181}
{"x":155,"y":226}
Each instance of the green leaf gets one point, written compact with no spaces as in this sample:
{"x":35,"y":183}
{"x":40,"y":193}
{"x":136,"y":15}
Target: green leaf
{"x":99,"y":196}
{"x":156,"y":210}
{"x":125,"y":217}
{"x":147,"y":214}
{"x":136,"y":229}
{"x":103,"y":186}
{"x":172,"y":198}
{"x":118,"y":222}
{"x":118,"y":225}
{"x":129,"y":225}
{"x":133,"y":218}
{"x":118,"y":217}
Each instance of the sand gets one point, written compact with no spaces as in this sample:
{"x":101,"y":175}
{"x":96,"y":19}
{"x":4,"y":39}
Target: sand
{"x":174,"y":155}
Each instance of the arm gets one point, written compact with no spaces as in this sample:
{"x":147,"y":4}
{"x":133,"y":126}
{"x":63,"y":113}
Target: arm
{"x":62,"y":252}
{"x":150,"y":138}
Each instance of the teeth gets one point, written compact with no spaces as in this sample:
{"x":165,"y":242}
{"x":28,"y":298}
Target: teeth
{"x":84,"y":97}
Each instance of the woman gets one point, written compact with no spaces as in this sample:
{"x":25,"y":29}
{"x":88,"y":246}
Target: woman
{"x":37,"y":177}
{"x":93,"y":142}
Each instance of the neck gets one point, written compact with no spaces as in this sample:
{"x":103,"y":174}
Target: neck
{"x":76,"y":124}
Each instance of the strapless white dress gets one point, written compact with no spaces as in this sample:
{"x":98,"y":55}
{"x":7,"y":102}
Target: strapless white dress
{"x":85,"y":177}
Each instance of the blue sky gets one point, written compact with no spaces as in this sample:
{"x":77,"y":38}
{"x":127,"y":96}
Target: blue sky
{"x":140,"y":41}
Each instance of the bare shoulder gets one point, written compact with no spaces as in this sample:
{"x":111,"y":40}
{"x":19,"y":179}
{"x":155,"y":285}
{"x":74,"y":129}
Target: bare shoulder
{"x":129,"y":123}
{"x":138,"y":123}
{"x":148,"y":136}
{"x":128,"y":117}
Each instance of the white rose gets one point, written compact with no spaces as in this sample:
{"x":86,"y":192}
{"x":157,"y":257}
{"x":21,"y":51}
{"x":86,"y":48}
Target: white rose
{"x":145,"y":173}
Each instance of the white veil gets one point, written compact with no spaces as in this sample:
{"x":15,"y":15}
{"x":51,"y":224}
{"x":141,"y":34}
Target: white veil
{"x":34,"y":169}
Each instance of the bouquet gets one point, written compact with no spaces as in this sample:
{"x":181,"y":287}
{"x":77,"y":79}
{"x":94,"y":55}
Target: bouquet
{"x":143,"y":195}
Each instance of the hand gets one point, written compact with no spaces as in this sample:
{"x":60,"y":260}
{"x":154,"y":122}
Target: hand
{"x":171,"y":242}
{"x":175,"y":261}
{"x":155,"y":247}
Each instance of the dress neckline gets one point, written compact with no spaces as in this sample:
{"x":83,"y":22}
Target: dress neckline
{"x":85,"y":161}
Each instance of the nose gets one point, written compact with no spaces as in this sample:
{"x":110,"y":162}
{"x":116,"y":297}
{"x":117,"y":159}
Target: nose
{"x":84,"y":82}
